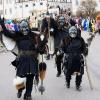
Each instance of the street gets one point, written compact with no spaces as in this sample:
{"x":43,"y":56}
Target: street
{"x":55,"y":87}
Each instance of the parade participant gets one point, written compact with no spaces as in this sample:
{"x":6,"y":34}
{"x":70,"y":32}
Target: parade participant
{"x":27,"y":62}
{"x":49,"y":28}
{"x":62,"y":33}
{"x":58,"y":60}
{"x":97,"y":26}
{"x":74,"y":48}
{"x":73,"y":23}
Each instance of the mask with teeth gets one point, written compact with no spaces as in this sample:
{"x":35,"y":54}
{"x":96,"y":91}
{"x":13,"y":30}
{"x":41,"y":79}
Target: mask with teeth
{"x":24,"y":27}
{"x":73,"y":32}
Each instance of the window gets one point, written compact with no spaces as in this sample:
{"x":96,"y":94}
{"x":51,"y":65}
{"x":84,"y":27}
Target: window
{"x":19,"y":1}
{"x":25,"y":0}
{"x":20,"y":6}
{"x":69,"y":1}
{"x":33,"y":4}
{"x":1,"y":11}
{"x":32,"y":13}
{"x":10,"y":11}
{"x":5,"y":11}
{"x":15,"y":7}
{"x":10,"y":1}
{"x":41,"y":3}
{"x":62,"y":1}
{"x":0,"y":1}
{"x":76,"y":2}
{"x":26,"y":5}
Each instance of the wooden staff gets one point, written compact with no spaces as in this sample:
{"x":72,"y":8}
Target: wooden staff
{"x":49,"y":33}
{"x":88,"y":75}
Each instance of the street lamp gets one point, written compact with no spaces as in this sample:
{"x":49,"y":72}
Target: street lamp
{"x":41,"y":4}
{"x":22,"y":8}
{"x":47,"y":5}
{"x":3,"y":8}
{"x":33,"y":9}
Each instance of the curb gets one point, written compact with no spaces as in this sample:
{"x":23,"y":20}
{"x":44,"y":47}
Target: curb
{"x":2,"y":50}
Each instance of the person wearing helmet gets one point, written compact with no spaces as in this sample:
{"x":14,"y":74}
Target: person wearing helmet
{"x":27,"y":58}
{"x":74,"y":50}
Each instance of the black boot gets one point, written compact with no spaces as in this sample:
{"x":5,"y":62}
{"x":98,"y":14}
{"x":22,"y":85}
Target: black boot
{"x":29,"y":98}
{"x":68,"y":78}
{"x":58,"y":74}
{"x":19,"y":94}
{"x":78,"y":82}
{"x":78,"y":88}
{"x":68,"y":85}
{"x":58,"y":68}
{"x":26,"y":97}
{"x":29,"y":85}
{"x":48,"y":57}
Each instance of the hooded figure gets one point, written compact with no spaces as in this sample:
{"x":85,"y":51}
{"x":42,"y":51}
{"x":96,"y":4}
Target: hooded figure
{"x":49,"y":29}
{"x":75,"y":63}
{"x":27,"y":62}
{"x":62,"y":33}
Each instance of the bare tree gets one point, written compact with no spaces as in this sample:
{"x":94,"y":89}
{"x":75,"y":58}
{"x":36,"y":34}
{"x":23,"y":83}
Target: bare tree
{"x":87,"y":7}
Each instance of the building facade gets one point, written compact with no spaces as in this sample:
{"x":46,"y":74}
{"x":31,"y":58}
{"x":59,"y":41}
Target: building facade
{"x":25,"y":8}
{"x":6,"y":8}
{"x":64,"y":4}
{"x":21,"y":8}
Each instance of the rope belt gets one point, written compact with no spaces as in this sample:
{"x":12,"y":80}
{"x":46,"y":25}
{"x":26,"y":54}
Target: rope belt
{"x":73,"y":54}
{"x":27,"y":53}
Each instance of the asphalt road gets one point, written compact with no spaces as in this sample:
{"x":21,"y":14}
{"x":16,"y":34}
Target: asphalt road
{"x":55,"y":87}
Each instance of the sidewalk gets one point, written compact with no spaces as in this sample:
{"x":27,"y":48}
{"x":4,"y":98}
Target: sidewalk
{"x":94,"y":55}
{"x":2,"y":48}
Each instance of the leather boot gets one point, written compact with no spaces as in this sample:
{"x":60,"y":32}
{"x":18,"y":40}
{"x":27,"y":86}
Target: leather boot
{"x":27,"y":97}
{"x":19,"y":94}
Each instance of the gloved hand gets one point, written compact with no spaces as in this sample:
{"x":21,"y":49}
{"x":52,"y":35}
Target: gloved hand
{"x":86,"y":51}
{"x":42,"y":37}
{"x":1,"y":24}
{"x":52,"y":31}
{"x":1,"y":20}
{"x":36,"y":80}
